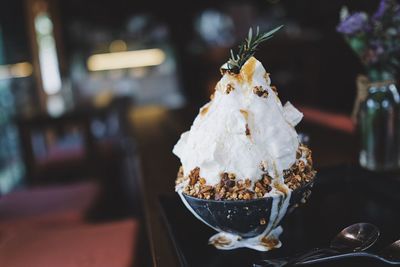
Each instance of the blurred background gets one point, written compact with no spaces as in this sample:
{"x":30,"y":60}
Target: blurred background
{"x":80,"y":79}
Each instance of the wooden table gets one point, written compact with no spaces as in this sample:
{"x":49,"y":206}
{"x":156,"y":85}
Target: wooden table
{"x":158,"y":129}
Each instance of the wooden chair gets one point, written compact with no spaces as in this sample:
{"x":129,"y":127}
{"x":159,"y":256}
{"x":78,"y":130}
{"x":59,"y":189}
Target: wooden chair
{"x":43,"y":159}
{"x":47,"y":159}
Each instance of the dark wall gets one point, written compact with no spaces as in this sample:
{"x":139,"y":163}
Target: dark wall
{"x":324,"y":69}
{"x":14,"y":31}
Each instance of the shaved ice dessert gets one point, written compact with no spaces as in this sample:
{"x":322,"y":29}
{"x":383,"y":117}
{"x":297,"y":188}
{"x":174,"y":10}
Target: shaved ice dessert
{"x":243,"y":147}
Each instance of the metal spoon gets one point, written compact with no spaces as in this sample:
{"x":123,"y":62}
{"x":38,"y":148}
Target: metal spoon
{"x":388,"y":255}
{"x":356,"y":237}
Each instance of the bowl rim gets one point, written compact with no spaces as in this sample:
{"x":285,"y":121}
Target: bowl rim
{"x":310,"y":183}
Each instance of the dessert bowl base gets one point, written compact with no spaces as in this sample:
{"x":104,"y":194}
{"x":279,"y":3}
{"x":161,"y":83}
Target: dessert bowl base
{"x":228,"y":241}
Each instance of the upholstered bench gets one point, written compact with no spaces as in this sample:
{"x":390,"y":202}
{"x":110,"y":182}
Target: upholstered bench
{"x":46,"y":227}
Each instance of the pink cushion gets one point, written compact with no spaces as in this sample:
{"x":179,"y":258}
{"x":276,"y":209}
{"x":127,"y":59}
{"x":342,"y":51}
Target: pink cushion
{"x":104,"y":245}
{"x":37,"y":204}
{"x":47,"y":221}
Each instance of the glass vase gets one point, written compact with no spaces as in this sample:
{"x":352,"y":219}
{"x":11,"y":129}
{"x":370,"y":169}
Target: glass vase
{"x":379,"y":127}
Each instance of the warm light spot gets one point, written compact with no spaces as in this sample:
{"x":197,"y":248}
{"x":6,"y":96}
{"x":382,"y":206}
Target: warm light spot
{"x":124,"y":60}
{"x":147,"y":117}
{"x":19,"y":70}
{"x":23,"y":69}
{"x":118,"y":46}
{"x":103,"y":99}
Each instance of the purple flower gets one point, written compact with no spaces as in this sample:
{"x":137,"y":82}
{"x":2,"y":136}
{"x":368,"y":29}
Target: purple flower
{"x":353,"y":24}
{"x":375,"y":39}
{"x":383,"y":6}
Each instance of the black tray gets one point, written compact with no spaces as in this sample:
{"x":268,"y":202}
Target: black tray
{"x":341,"y":196}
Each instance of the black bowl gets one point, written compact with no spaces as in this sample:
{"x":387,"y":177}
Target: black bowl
{"x":244,"y":218}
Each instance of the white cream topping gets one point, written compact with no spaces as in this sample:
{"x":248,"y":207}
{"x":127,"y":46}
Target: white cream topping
{"x":217,"y":141}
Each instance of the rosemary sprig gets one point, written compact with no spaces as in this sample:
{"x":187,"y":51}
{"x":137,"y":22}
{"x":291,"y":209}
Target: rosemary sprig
{"x":248,"y":48}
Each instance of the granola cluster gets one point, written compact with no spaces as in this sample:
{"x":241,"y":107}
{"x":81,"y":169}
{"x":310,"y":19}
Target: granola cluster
{"x":230,"y":188}
{"x":260,"y":91}
{"x":302,"y":171}
{"x":229,"y":88}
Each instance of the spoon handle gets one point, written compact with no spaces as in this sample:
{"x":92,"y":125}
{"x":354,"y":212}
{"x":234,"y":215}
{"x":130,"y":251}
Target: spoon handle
{"x":282,"y":262}
{"x":310,"y":255}
{"x":342,"y":256}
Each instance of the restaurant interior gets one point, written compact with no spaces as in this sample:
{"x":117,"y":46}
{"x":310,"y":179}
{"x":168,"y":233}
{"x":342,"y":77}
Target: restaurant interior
{"x":95,"y":94}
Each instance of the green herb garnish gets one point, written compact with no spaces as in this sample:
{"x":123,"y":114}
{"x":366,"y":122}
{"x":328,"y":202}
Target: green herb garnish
{"x":248,"y":48}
